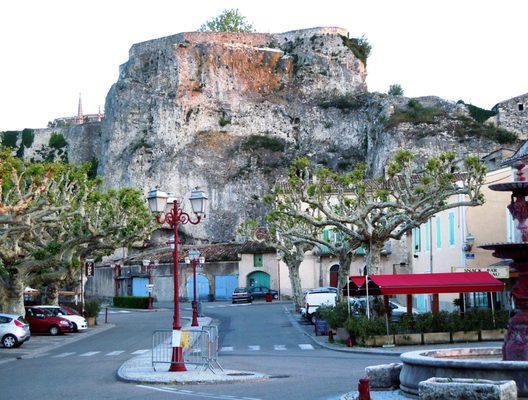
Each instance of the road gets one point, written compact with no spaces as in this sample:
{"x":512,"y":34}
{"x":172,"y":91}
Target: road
{"x":258,"y":337}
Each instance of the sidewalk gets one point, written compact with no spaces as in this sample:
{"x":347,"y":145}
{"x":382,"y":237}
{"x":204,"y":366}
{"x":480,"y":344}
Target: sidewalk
{"x":39,"y":345}
{"x":322,"y":341}
{"x":139,"y":370}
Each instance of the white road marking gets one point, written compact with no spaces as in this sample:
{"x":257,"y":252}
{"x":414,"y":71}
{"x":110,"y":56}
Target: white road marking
{"x":254,"y":348}
{"x":63,"y":355}
{"x":124,"y":312}
{"x":227,"y":348}
{"x":306,"y":347}
{"x":279,"y":347}
{"x":141,"y":351}
{"x":115,"y":353}
{"x":197,"y":394}
{"x":89,"y":354}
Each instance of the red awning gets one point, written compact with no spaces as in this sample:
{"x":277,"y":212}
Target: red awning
{"x":450,"y":282}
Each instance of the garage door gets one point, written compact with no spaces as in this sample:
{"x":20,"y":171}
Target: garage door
{"x":258,"y":278}
{"x":224,"y":286}
{"x":139,"y":287}
{"x":202,"y":287}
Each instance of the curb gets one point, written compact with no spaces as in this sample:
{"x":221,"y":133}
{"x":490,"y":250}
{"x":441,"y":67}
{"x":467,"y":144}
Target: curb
{"x":46,"y":349}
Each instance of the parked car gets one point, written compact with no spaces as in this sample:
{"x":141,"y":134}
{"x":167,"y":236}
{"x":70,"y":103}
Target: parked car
{"x":397,"y":310}
{"x":322,"y":289}
{"x":259,"y":292}
{"x":14,"y":330}
{"x":241,"y":294}
{"x":314,"y":299}
{"x":79,"y":323}
{"x":42,"y":321}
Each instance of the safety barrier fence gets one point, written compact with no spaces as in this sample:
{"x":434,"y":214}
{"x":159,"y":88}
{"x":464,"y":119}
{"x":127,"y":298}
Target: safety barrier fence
{"x":199,"y":346}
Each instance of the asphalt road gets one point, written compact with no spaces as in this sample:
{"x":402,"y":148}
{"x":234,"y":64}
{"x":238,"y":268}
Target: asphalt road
{"x":258,"y":337}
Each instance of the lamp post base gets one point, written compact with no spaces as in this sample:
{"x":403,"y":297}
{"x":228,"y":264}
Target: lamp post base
{"x":177,"y":364}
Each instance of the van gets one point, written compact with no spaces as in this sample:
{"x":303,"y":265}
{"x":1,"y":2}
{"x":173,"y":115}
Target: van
{"x":315,"y":298}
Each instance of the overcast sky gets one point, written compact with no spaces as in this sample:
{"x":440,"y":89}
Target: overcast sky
{"x":52,"y":50}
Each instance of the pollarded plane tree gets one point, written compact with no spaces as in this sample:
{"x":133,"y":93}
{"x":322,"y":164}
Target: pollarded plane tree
{"x":369,"y":212}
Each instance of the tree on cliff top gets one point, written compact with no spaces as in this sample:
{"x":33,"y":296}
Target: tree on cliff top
{"x":229,"y":21}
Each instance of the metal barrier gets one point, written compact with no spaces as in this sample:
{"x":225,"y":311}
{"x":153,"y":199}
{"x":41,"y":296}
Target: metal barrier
{"x":200,"y":347}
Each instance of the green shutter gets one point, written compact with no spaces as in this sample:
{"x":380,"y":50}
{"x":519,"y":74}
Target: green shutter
{"x":257,"y":260}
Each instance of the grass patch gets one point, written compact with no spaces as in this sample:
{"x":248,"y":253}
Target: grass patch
{"x":415,"y":113}
{"x":258,"y":142}
{"x":57,"y":141}
{"x":347,"y":102}
{"x":480,"y":114}
{"x":223,"y":121}
{"x":359,"y":47}
{"x":470,"y":127}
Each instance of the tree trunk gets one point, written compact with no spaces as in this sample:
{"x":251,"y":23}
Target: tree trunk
{"x":345,"y":259}
{"x":52,"y":294}
{"x":15,"y":294}
{"x":295,"y":279}
{"x":373,"y":258}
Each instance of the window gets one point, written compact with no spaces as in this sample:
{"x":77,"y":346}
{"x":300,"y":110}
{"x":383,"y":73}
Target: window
{"x":451,"y":229}
{"x":520,"y":106}
{"x":438,"y":232}
{"x":257,"y":260}
{"x":428,"y":235}
{"x":417,"y":245}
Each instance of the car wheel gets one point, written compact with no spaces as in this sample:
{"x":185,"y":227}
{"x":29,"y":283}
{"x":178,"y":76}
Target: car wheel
{"x":276,"y":296}
{"x":54,"y":330}
{"x":9,"y":341}
{"x":233,"y":301}
{"x":251,"y":299}
{"x":75,"y":329}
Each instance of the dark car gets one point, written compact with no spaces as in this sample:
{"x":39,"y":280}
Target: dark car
{"x":42,"y":321}
{"x":259,"y":292}
{"x":241,"y":294}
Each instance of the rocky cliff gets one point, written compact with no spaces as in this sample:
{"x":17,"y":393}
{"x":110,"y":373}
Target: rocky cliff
{"x":229,"y":111}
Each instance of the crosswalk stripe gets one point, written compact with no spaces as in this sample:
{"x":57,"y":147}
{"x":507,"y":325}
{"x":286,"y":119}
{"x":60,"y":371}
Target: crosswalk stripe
{"x":306,"y":347}
{"x":254,"y":348}
{"x":115,"y":353}
{"x":227,"y":348}
{"x":90,"y":353}
{"x":279,"y":347}
{"x":140,"y":351}
{"x":63,"y":355}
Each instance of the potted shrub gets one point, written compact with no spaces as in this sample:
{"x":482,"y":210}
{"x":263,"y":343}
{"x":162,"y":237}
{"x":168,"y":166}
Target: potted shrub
{"x":335,"y":316}
{"x":406,"y":334}
{"x":434,"y":327}
{"x":500,"y":324}
{"x":465,"y":329}
{"x":373,"y":332}
{"x":91,"y":311}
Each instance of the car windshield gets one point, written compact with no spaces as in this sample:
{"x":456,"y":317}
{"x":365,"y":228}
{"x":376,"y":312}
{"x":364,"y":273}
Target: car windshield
{"x":240,"y":290}
{"x":21,"y":319}
{"x":69,"y":311}
{"x":52,"y":311}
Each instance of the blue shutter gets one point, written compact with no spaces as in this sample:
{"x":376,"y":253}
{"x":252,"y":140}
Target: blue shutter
{"x":416,"y":239}
{"x":438,"y":232}
{"x":427,"y":236}
{"x":451,"y":229}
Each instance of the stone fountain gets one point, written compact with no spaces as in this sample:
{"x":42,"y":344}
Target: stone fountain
{"x":488,"y":363}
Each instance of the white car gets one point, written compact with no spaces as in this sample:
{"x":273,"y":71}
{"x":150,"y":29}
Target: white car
{"x":78,"y":321}
{"x":397,"y":310}
{"x":315,"y":298}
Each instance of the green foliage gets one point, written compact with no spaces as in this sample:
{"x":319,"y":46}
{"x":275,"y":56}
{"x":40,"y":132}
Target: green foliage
{"x":223,"y":121}
{"x":334,"y":315}
{"x":478,"y":114}
{"x":92,"y":309}
{"x":92,"y":171}
{"x":131,"y":302}
{"x":469,"y":127}
{"x":10,"y":138}
{"x":363,"y":328}
{"x":360,"y":47}
{"x":229,"y":21}
{"x":256,"y":142}
{"x":415,"y":113}
{"x":345,"y":102}
{"x":395,"y":90}
{"x":57,"y":141}
{"x":28,"y":135}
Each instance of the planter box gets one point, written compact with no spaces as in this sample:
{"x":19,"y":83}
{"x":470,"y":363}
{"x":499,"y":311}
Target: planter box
{"x":492,"y":334}
{"x":436,"y":337}
{"x":470,"y":336}
{"x":403,"y":339}
{"x":457,"y":388}
{"x":378,"y":340}
{"x":342,"y":334}
{"x":90,"y":321}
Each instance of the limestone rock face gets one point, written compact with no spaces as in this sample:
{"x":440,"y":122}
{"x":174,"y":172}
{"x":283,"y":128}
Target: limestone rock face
{"x":229,"y":111}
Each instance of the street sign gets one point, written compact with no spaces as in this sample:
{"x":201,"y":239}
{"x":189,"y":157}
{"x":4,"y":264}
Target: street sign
{"x":470,"y":256}
{"x":89,"y":266}
{"x":499,"y":272}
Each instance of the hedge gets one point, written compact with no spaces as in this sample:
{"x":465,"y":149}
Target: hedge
{"x":131,"y":302}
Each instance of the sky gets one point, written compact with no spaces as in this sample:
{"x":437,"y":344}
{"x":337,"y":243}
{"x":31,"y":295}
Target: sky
{"x":50,"y":51}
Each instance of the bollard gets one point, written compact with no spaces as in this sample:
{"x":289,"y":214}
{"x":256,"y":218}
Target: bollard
{"x":364,"y":389}
{"x":106,"y":315}
{"x":330,"y":336}
{"x":350,"y":342}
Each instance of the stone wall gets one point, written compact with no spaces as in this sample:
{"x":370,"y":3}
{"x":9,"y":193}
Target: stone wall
{"x":510,"y":117}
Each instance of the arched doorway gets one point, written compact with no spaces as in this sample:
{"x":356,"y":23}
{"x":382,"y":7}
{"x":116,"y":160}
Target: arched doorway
{"x":258,"y":278}
{"x":334,"y":273}
{"x":202,"y":287}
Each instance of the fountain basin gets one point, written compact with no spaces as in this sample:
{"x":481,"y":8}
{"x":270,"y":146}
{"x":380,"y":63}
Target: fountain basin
{"x":471,"y":363}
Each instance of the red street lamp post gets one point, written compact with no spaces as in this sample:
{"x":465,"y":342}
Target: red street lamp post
{"x":194,"y":259}
{"x":157,"y":203}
